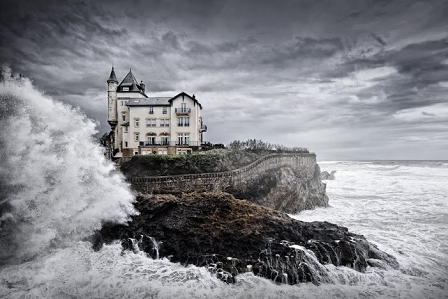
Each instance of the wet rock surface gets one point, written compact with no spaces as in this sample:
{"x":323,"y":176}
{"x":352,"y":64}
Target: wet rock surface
{"x":231,"y":236}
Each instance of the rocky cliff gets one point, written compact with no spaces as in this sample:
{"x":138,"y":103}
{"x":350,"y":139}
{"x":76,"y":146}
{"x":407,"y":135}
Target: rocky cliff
{"x":285,"y":182}
{"x":284,"y":189}
{"x":230,"y":236}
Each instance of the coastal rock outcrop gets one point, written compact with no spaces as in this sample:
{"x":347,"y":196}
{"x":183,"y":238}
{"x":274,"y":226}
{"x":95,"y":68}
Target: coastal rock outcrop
{"x":325,"y":175}
{"x":230,"y":236}
{"x":284,"y":189}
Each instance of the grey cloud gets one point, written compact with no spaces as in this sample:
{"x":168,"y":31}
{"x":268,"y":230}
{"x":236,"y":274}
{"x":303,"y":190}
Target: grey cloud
{"x":171,"y":39}
{"x":302,"y":50}
{"x":379,"y":39}
{"x":249,"y":58}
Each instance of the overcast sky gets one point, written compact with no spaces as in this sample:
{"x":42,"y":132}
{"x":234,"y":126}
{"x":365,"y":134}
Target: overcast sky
{"x":347,"y":79}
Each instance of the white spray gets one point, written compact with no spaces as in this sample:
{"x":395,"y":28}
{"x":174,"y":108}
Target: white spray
{"x":56,"y":185}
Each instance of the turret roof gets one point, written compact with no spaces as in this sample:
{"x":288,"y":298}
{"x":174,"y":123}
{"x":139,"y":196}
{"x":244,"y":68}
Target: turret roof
{"x":131,"y":82}
{"x":112,"y":77}
{"x":129,"y":79}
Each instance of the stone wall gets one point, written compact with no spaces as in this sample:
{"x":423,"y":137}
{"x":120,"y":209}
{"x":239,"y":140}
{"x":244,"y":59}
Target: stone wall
{"x":303,"y":165}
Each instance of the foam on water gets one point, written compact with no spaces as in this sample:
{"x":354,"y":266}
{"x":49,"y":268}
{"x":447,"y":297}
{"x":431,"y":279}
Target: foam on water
{"x":57,"y":188}
{"x":402,"y":206}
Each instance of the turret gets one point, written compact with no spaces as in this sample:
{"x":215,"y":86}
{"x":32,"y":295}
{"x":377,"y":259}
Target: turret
{"x":112,"y":84}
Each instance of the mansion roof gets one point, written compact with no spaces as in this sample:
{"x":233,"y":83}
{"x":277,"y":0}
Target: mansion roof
{"x":158,"y":101}
{"x":151,"y":101}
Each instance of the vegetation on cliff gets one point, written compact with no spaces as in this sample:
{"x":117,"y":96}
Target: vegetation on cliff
{"x":216,"y":160}
{"x":236,"y":155}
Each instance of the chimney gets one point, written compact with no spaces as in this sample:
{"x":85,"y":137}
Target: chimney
{"x":142,"y":86}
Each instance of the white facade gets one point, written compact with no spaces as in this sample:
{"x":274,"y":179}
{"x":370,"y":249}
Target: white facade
{"x":143,"y":125}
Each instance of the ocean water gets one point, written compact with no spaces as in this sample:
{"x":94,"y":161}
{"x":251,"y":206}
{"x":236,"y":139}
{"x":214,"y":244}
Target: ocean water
{"x":402,"y":207}
{"x":56,"y":189}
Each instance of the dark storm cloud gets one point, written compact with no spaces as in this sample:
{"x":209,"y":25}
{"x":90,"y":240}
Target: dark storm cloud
{"x":315,"y":70}
{"x":303,"y":49}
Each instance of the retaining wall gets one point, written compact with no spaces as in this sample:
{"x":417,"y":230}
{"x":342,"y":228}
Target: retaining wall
{"x":301,"y":163}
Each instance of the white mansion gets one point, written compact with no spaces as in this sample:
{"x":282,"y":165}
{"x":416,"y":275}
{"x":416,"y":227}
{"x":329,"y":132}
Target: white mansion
{"x":142,"y":125}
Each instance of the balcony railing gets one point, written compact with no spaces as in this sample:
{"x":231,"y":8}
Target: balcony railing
{"x":203,"y":128}
{"x":183,"y":110}
{"x":171,"y":143}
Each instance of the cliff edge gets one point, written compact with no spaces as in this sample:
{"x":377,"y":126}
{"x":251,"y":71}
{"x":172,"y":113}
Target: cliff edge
{"x":285,"y":182}
{"x":285,"y":189}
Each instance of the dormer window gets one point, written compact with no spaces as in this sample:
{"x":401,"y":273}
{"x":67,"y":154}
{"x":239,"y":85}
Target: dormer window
{"x":125,"y":88}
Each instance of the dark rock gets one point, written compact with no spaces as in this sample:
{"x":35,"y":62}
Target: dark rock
{"x":230,"y":236}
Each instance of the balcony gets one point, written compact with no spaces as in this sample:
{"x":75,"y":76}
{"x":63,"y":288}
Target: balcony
{"x":171,"y":143}
{"x":183,"y":111}
{"x":203,"y":128}
{"x":187,"y":143}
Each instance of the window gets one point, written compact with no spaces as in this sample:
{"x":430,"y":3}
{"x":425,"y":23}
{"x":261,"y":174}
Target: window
{"x":126,"y":128}
{"x":165,"y":140}
{"x":125,"y":144}
{"x":151,"y":110}
{"x":123,"y":116}
{"x":164,"y":122}
{"x":184,"y":152}
{"x":151,"y":122}
{"x":125,"y":88}
{"x":165,"y":110}
{"x":183,"y":138}
{"x":122,"y":103}
{"x":151,"y":140}
{"x":136,"y":122}
{"x":183,"y":121}
{"x":183,"y":107}
{"x":137,"y":136}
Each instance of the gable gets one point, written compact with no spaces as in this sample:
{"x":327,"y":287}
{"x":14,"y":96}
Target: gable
{"x":184,"y":96}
